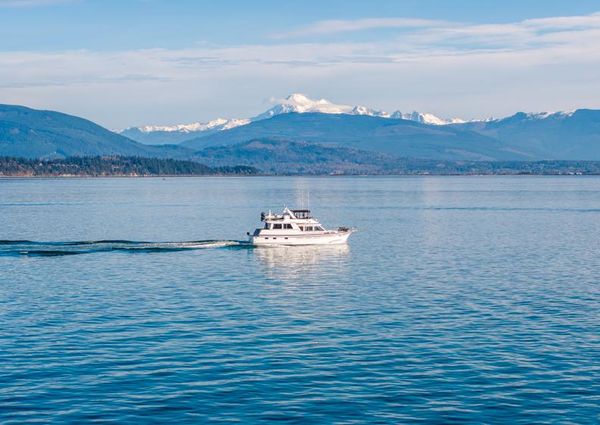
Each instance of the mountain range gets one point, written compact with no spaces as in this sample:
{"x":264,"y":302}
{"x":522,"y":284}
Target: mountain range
{"x":317,"y":129}
{"x":294,"y":103}
{"x":391,"y":136}
{"x":561,"y":135}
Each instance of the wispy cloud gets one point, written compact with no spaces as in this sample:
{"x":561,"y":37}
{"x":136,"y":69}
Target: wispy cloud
{"x":339,"y":26}
{"x":421,"y":33}
{"x":564,"y":22}
{"x":471,"y":70}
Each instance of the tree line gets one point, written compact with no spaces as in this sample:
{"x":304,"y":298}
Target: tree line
{"x":100,"y":166}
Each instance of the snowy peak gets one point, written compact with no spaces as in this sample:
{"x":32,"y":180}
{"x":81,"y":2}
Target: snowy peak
{"x":535,"y":116}
{"x":300,"y":103}
{"x":544,"y":115}
{"x":294,"y":103}
{"x":217,"y":124}
{"x":363,"y":110}
{"x":425,"y":118}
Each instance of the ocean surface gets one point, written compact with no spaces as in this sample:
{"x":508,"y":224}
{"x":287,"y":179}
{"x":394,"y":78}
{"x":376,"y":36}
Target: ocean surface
{"x":459,"y":300}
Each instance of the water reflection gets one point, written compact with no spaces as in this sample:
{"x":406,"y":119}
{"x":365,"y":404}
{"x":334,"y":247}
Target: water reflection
{"x":293,"y":262}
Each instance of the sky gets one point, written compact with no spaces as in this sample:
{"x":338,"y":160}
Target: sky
{"x":125,"y":63}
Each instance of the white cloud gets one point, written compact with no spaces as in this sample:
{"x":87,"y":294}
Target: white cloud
{"x":426,"y":33}
{"x":564,"y":22}
{"x":338,"y":26}
{"x":451,"y":70}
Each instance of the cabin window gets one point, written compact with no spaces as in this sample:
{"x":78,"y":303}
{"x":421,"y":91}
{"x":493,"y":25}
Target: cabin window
{"x":319,"y":228}
{"x":287,"y":226}
{"x":266,"y":225}
{"x":301,"y":228}
{"x":277,"y":226}
{"x":308,"y":229}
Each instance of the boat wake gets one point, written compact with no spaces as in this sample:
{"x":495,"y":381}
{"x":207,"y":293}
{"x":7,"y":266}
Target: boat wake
{"x":49,"y":249}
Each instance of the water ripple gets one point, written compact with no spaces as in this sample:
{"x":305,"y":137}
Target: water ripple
{"x":460,"y":301}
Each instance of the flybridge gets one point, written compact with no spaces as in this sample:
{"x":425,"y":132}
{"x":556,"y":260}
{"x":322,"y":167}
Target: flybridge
{"x":287,"y":213}
{"x":301,"y":213}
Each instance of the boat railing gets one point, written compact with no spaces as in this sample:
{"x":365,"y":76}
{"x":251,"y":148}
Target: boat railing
{"x":301,"y":214}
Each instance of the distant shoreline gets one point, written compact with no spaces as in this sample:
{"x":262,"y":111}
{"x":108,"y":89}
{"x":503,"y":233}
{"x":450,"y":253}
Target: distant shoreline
{"x":83,"y":176}
{"x":136,"y":167}
{"x":113,"y":166}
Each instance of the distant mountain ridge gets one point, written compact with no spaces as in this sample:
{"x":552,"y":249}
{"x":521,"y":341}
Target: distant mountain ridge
{"x":364,"y":132}
{"x":31,"y":133}
{"x":301,"y":104}
{"x":523,"y":136}
{"x":162,"y":134}
{"x":285,"y":157}
{"x":571,"y":135}
{"x":294,"y":103}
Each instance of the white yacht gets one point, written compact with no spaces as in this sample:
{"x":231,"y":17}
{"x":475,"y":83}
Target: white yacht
{"x":296,"y":227}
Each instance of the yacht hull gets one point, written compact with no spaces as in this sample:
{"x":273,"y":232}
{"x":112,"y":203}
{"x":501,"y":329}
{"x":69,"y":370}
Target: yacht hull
{"x":328,"y":238}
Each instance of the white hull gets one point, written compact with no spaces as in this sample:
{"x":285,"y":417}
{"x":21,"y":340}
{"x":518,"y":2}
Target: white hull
{"x":327,"y":238}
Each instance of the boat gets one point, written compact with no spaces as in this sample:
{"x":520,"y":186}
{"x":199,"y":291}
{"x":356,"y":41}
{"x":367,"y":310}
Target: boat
{"x":296,"y":227}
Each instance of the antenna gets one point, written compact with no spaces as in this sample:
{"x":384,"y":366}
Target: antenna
{"x":304,"y":199}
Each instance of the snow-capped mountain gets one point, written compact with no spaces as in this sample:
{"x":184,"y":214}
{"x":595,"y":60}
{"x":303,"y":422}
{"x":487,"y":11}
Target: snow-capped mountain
{"x":218,"y":124}
{"x":300,"y":103}
{"x":294,"y":103}
{"x":171,"y":134}
{"x":544,"y":115}
{"x":522,"y":136}
{"x":425,"y":118}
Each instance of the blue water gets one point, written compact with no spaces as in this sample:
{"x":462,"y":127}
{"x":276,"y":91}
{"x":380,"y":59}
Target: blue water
{"x":460,"y":300}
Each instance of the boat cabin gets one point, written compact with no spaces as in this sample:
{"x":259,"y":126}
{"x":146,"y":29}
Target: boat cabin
{"x":290,"y":220}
